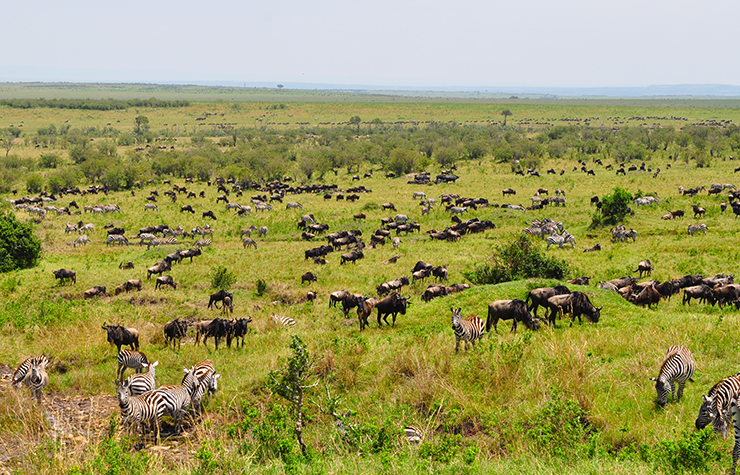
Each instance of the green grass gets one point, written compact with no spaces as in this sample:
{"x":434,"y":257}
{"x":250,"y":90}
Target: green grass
{"x":387,"y":377}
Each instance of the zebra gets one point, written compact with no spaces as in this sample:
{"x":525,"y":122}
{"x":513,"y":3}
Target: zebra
{"x":70,"y":228}
{"x":715,"y":407}
{"x":120,"y":239}
{"x":282,"y":321}
{"x":207,"y":381}
{"x":202,"y":243}
{"x":697,"y":227}
{"x":414,"y":434}
{"x":149,"y":406}
{"x":202,"y":231}
{"x":130,"y":359}
{"x":89,"y":227}
{"x":468,"y":329}
{"x":678,"y":366}
{"x":145,"y":237}
{"x":23,"y":372}
{"x":36,"y":380}
{"x":177,"y":398}
{"x":262,"y":231}
{"x":293,"y":204}
{"x":396,"y":242}
{"x":163,"y":241}
{"x":142,"y":382}
{"x":562,"y":239}
{"x":248,"y":231}
{"x":151,"y":206}
{"x":248,"y":241}
{"x":734,"y":413}
{"x":82,"y":239}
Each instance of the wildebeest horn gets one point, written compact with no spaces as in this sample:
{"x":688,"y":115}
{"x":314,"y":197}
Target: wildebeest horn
{"x":599,"y":308}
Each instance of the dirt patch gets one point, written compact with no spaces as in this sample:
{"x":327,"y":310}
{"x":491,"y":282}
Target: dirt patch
{"x":144,"y":300}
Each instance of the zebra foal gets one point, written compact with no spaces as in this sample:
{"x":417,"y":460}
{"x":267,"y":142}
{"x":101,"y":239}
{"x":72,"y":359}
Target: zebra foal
{"x":468,"y":329}
{"x":678,"y":367}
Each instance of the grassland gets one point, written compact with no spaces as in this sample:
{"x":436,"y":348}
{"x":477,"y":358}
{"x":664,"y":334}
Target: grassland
{"x":481,"y":411}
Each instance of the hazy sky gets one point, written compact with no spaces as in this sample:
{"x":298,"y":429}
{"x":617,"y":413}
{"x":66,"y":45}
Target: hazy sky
{"x":429,"y":43}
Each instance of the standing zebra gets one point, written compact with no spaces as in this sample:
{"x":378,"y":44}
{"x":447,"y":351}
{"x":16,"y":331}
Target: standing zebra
{"x":119,"y":239}
{"x":200,"y":243}
{"x":177,"y":398}
{"x":468,"y":329}
{"x":282,"y":321}
{"x":140,"y":383}
{"x":150,"y":406}
{"x":205,"y":382}
{"x":262,"y":231}
{"x":130,"y":359}
{"x":678,"y":366}
{"x":32,"y":373}
{"x":720,"y":407}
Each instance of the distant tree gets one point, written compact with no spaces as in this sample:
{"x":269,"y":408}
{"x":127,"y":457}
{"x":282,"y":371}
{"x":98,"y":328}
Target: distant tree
{"x":402,"y":161}
{"x":446,"y":156}
{"x":614,"y":207}
{"x":8,"y":138}
{"x":355,"y":120}
{"x":142,"y":124}
{"x":280,"y":86}
{"x":49,"y":160}
{"x":34,"y":183}
{"x":506,"y":113}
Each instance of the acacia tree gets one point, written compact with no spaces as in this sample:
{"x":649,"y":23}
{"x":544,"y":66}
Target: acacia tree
{"x":506,"y":113}
{"x":355,"y":120}
{"x":291,"y":382}
{"x":142,"y":124}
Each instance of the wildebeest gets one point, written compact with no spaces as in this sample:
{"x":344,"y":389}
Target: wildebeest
{"x":576,"y":303}
{"x":120,"y":336}
{"x":537,"y":297}
{"x":385,"y":206}
{"x":644,"y":267}
{"x":190,"y":253}
{"x":515,"y":310}
{"x":236,"y":331}
{"x":338,"y":296}
{"x":352,"y":256}
{"x":391,"y":305}
{"x":596,"y":247}
{"x":158,"y":268}
{"x":128,"y":265}
{"x":163,"y":280}
{"x":64,"y":274}
{"x":649,"y":296}
{"x":395,"y":284}
{"x":98,"y":290}
{"x":580,"y":281}
{"x":219,"y":297}
{"x":216,"y":328}
{"x":440,"y":272}
{"x":209,"y":214}
{"x":174,"y":331}
{"x":309,"y":277}
{"x":364,"y":309}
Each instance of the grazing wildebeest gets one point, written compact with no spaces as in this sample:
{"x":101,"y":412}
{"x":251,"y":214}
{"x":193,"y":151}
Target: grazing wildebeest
{"x":515,"y":310}
{"x":174,"y":331}
{"x":95,"y":291}
{"x":309,"y":277}
{"x":120,"y":336}
{"x":209,"y":214}
{"x":219,"y":297}
{"x":338,"y":296}
{"x":163,"y":280}
{"x":391,"y":305}
{"x":385,"y":206}
{"x":644,"y":267}
{"x":576,"y":303}
{"x":539,"y":296}
{"x":64,"y":274}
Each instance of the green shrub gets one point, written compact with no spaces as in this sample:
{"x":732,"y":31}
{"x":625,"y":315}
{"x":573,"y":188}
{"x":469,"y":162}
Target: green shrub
{"x":691,"y":452}
{"x":614,"y":208}
{"x":520,"y":259}
{"x":443,"y":450}
{"x":34,"y":183}
{"x":560,"y":428}
{"x":261,"y":287}
{"x":20,"y":248}
{"x":222,"y":278}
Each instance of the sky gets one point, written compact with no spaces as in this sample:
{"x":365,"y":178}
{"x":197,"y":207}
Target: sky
{"x":485,"y":44}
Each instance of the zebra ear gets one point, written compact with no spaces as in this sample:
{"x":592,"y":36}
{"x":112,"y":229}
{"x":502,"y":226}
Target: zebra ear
{"x":653,"y":379}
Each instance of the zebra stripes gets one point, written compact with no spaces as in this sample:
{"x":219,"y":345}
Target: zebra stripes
{"x":150,"y":406}
{"x":413,"y":434}
{"x":130,"y":359}
{"x":735,"y":415}
{"x":32,"y":373}
{"x":119,"y":239}
{"x":177,"y":398}
{"x":204,"y":380}
{"x":248,"y":241}
{"x":282,"y":321}
{"x":715,"y":407}
{"x":83,"y":239}
{"x":140,"y":383}
{"x":678,"y":367}
{"x":468,"y":329}
{"x":200,"y":243}
{"x":697,"y":227}
{"x":164,"y":241}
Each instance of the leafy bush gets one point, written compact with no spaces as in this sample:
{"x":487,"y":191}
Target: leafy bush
{"x":520,"y":259}
{"x":20,"y":248}
{"x":692,"y":452}
{"x":444,"y":450}
{"x":614,"y":208}
{"x":261,"y":287}
{"x":34,"y":183}
{"x":560,"y":428}
{"x":222,"y":278}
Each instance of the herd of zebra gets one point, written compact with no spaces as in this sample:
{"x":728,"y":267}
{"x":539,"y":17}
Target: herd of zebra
{"x":719,"y":406}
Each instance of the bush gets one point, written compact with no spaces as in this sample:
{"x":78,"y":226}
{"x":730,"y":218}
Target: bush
{"x":521,"y":259}
{"x":20,"y":248}
{"x":692,"y":452}
{"x":34,"y":183}
{"x":614,"y":208}
{"x":560,"y":428}
{"x":222,"y":278}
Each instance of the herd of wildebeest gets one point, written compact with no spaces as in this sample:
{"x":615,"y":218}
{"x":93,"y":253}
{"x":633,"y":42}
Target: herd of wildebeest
{"x":141,"y":402}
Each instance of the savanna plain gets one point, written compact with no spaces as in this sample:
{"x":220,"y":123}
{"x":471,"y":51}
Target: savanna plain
{"x":569,"y":399}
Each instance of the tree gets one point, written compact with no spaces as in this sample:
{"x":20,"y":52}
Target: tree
{"x":615,"y":207}
{"x":142,"y":124}
{"x":506,"y":113}
{"x":8,"y":138}
{"x":355,"y":120}
{"x":280,"y":86}
{"x":290,"y":382}
{"x":402,"y":161}
{"x":446,"y":156}
{"x":20,"y":248}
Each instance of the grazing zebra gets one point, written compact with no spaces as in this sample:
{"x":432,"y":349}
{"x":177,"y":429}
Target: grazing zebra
{"x":151,"y":206}
{"x":468,"y":329}
{"x":89,"y":227}
{"x":145,"y":237}
{"x":678,"y":366}
{"x":560,"y":240}
{"x":177,"y":398}
{"x":248,"y":241}
{"x":130,"y":359}
{"x":715,"y":407}
{"x":282,"y":321}
{"x":200,"y":243}
{"x":70,"y":228}
{"x":202,"y":231}
{"x":120,"y":239}
{"x":697,"y":227}
{"x":150,"y":406}
{"x":82,"y":239}
{"x":32,"y":373}
{"x":140,"y":383}
{"x":414,"y":434}
{"x":262,"y":231}
{"x":163,"y":241}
